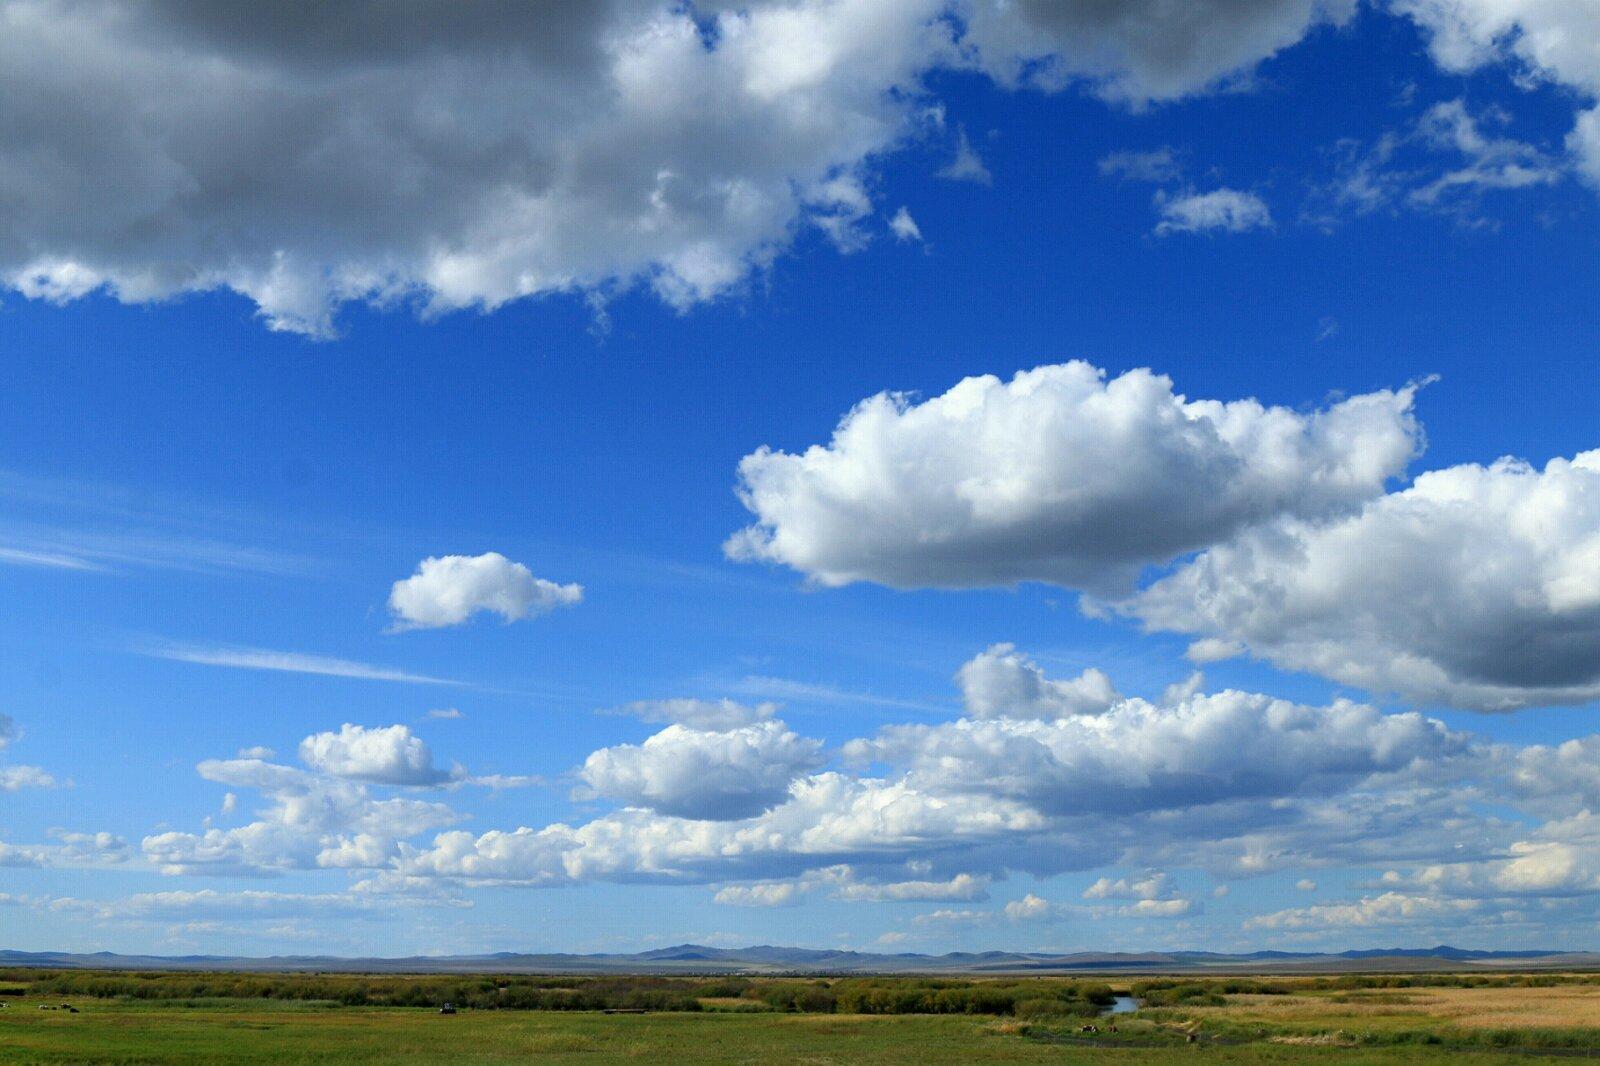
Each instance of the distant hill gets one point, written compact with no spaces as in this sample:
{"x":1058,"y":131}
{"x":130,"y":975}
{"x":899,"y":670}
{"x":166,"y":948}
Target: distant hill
{"x":698,"y":958}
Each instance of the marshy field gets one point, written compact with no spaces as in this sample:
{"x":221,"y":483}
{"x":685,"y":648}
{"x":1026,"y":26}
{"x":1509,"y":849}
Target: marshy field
{"x":92,"y":1016}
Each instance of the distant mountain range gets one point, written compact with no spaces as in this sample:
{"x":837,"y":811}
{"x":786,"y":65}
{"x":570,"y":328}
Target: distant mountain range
{"x":696,"y":958}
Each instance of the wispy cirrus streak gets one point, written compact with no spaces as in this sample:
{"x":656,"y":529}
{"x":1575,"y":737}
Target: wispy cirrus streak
{"x":246,"y":658}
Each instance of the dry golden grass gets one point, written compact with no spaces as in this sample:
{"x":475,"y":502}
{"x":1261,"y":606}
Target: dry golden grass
{"x":1556,"y":1007}
{"x":1514,"y":1008}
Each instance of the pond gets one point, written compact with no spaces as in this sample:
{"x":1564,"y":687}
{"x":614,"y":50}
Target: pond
{"x":1122,"y":1005}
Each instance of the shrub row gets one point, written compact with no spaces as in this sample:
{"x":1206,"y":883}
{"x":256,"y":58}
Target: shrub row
{"x":1039,"y":996}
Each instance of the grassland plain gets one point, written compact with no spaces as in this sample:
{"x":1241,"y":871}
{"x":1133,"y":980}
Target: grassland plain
{"x":1345,"y":1020}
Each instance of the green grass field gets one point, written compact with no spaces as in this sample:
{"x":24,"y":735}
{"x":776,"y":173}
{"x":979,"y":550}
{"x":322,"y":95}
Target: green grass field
{"x":1308,"y":1025}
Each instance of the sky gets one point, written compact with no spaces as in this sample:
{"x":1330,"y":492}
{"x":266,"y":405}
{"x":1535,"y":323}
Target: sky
{"x":904,"y":475}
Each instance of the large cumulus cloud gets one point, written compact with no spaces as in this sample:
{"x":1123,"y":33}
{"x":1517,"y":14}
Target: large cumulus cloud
{"x":1058,"y":475}
{"x":1477,"y":586}
{"x":458,"y":156}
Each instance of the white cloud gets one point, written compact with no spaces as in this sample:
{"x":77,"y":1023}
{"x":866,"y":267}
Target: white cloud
{"x":1233,"y":783}
{"x":904,"y":227}
{"x":336,"y":156}
{"x":16,"y":778}
{"x":967,"y":164}
{"x":1388,"y":909}
{"x":1213,"y":650}
{"x":1305,"y":884}
{"x":1157,"y":908}
{"x":1156,"y":166}
{"x":827,"y":816}
{"x":1058,"y":475}
{"x":1477,"y":586}
{"x":1220,"y":210}
{"x":448,"y":590}
{"x":1002,"y":682}
{"x":843,"y":882}
{"x":1446,"y":161}
{"x":311,"y":821}
{"x":592,"y":146}
{"x":1153,"y":885}
{"x":963,"y":886}
{"x":775,"y":894}
{"x":446,"y":713}
{"x":1029,"y":908}
{"x":1550,"y":39}
{"x":693,"y":773}
{"x":711,"y":715}
{"x":1142,"y":757}
{"x":1490,"y":162}
{"x":386,"y":756}
{"x":256,"y":751}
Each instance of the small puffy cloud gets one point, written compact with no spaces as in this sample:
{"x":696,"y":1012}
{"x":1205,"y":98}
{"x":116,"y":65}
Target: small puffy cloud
{"x":1153,"y":885}
{"x":693,"y":773}
{"x":16,"y":778}
{"x":257,"y":751}
{"x":1029,"y":908}
{"x":448,"y":590}
{"x":93,"y":849}
{"x":389,"y":755}
{"x":1157,"y":908}
{"x":1157,"y":166}
{"x":1213,"y":650}
{"x":904,"y":227}
{"x":774,"y":894}
{"x":230,"y":803}
{"x":967,"y":164}
{"x":446,"y":713}
{"x":709,"y":715}
{"x":1002,"y":682}
{"x":1217,"y":211}
{"x":846,"y":886}
{"x":1151,"y":895}
{"x":1305,"y":884}
{"x":842,"y":882}
{"x":1477,"y":586}
{"x":1058,"y":475}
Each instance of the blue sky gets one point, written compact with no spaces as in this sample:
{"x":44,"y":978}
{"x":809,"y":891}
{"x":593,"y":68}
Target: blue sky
{"x":219,"y":451}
